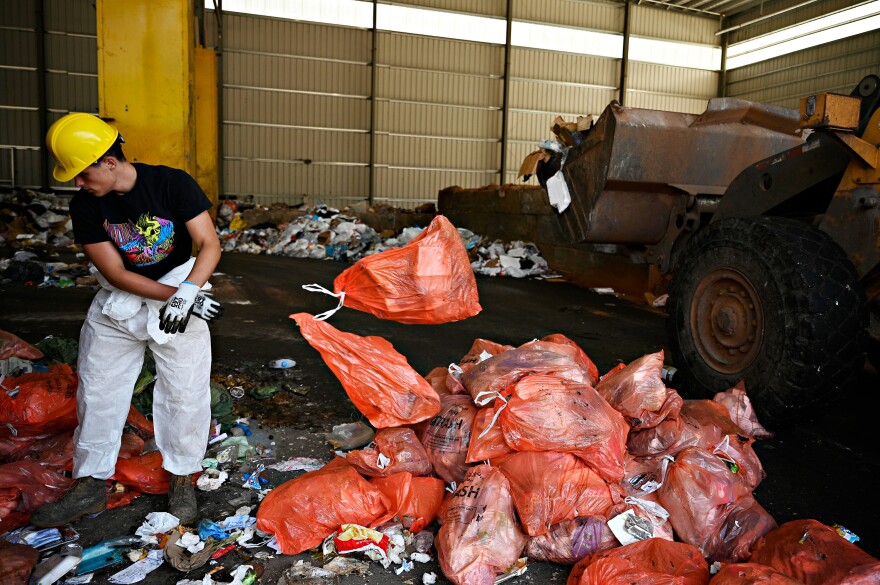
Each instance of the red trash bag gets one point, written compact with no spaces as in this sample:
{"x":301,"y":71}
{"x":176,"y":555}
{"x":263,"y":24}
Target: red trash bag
{"x":548,"y":487}
{"x":815,"y":554}
{"x":488,"y":379}
{"x":302,"y":512}
{"x":701,"y":424}
{"x":378,"y":380}
{"x":480,"y":536}
{"x":546,"y":413}
{"x":17,"y":562}
{"x":751,"y":574}
{"x":429,"y":280}
{"x":27,"y":485}
{"x":414,"y":501}
{"x":448,"y":435}
{"x":45,"y":402}
{"x":648,"y":562}
{"x":487,"y":439}
{"x":571,"y":540}
{"x":143,"y":473}
{"x":13,"y":346}
{"x":582,"y":356}
{"x":393,"y":450}
{"x":639,"y":394}
{"x":55,"y":450}
{"x":711,"y":507}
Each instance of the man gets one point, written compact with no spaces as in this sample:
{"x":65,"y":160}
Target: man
{"x":137,"y":223}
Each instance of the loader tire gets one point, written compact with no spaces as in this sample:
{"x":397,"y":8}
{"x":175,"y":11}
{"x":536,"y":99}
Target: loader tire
{"x":770,"y":301}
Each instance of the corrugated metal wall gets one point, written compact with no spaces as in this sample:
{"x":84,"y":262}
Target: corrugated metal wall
{"x":296,"y":96}
{"x":71,"y":82}
{"x":296,"y":109}
{"x":835,"y":67}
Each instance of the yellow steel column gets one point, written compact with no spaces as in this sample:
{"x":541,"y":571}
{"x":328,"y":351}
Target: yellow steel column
{"x":206,"y":124}
{"x":146,"y":78}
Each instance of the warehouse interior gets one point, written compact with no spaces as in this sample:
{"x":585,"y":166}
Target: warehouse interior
{"x":341,"y":113}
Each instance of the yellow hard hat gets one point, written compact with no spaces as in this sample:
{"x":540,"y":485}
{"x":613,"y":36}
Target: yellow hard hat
{"x":76,"y":141}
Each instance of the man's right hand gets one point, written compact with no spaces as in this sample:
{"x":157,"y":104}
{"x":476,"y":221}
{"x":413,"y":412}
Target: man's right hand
{"x":207,"y":307}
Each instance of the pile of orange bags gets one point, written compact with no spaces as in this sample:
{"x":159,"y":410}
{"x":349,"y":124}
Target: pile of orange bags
{"x":542,"y":455}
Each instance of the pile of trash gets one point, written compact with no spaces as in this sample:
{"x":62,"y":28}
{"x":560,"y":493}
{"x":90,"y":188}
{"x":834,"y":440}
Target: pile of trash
{"x":326,"y":233}
{"x":32,"y":222}
{"x":543,"y":459}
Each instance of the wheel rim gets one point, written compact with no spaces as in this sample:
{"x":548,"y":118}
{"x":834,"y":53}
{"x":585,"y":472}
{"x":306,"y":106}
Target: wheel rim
{"x":727,"y":321}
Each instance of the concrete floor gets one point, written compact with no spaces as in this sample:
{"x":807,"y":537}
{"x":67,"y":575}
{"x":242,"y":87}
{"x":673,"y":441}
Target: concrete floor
{"x":822,"y":467}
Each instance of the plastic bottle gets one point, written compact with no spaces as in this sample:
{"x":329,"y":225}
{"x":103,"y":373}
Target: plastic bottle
{"x":282,"y":364}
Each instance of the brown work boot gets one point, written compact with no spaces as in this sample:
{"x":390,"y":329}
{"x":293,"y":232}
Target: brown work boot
{"x":182,"y":499}
{"x":87,"y":495}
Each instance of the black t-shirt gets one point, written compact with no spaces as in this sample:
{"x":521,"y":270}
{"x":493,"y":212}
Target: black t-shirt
{"x":147,"y":224}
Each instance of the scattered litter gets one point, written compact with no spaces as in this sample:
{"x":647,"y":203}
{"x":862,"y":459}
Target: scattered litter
{"x":282,"y":364}
{"x":298,"y":464}
{"x":350,"y":435}
{"x":429,"y":578}
{"x":139,"y":570}
{"x":157,"y":523}
{"x":211,"y":479}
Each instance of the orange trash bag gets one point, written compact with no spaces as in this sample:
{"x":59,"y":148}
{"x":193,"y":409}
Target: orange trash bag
{"x":427,"y":281}
{"x":302,"y":512}
{"x":582,"y":356}
{"x":569,"y":541}
{"x":487,"y":439}
{"x":546,"y":413}
{"x":639,"y":394}
{"x":548,"y":487}
{"x":393,"y":450}
{"x":378,"y":380}
{"x":740,"y":410}
{"x":815,"y":554}
{"x":143,"y":473}
{"x":448,"y":436}
{"x":751,"y":574}
{"x":44,"y":403}
{"x":654,"y":561}
{"x":711,"y":507}
{"x":488,"y":379}
{"x":703,"y":424}
{"x":480,"y":536}
{"x":414,"y":501}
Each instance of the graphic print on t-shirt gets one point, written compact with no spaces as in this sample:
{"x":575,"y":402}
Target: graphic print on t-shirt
{"x":147,"y":242}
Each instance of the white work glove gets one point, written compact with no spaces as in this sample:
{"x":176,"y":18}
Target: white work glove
{"x":207,"y":307}
{"x":174,"y":314}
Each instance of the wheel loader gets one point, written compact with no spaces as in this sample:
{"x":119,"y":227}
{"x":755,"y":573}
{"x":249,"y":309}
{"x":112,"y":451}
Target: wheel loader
{"x":767,"y":219}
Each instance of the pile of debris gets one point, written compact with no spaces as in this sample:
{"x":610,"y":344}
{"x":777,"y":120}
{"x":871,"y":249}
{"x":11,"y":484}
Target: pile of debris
{"x":328,"y":233}
{"x":35,"y":225}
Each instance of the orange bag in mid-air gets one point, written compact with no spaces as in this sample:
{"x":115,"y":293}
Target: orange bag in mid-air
{"x":427,"y":281}
{"x":379,"y":381}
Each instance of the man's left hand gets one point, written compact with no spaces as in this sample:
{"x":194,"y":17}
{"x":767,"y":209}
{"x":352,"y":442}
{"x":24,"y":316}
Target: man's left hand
{"x":175,"y":313}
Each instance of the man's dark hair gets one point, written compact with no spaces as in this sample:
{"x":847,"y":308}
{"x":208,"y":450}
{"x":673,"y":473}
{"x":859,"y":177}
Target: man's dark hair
{"x":115,"y":151}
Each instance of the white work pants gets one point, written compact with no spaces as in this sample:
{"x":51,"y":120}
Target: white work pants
{"x":111,"y":354}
